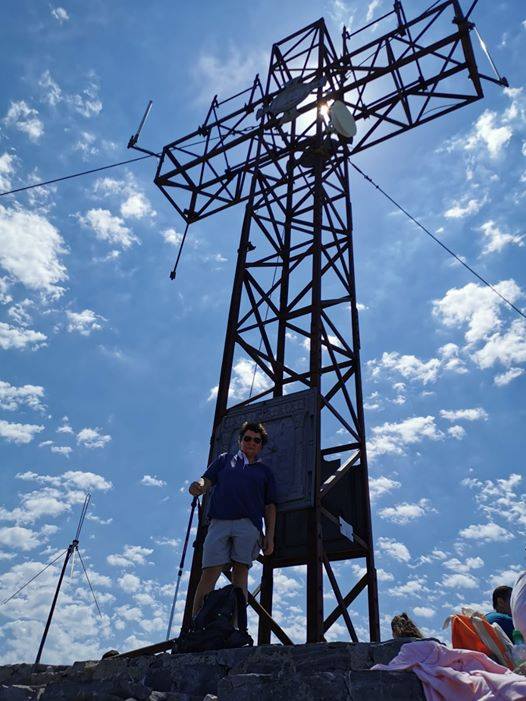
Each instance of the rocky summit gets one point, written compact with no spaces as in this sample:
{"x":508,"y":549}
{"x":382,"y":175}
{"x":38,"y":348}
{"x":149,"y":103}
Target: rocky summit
{"x":313,"y":672}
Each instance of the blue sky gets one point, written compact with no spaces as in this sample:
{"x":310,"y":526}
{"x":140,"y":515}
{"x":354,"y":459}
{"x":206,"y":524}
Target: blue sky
{"x":107,"y":367}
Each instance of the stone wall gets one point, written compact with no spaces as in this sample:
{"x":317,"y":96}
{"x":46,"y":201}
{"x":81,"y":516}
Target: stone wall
{"x":315,"y":672}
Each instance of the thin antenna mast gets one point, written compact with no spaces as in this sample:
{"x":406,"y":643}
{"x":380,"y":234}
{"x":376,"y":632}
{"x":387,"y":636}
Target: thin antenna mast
{"x":71,"y":549}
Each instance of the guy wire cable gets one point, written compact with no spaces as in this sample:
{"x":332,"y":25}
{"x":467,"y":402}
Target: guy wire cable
{"x":440,"y":243}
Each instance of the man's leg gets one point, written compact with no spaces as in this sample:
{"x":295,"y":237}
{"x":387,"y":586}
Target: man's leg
{"x":240,"y":577}
{"x":209,"y":577}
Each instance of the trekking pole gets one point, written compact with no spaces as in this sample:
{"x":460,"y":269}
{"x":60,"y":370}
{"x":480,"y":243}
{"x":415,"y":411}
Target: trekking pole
{"x":181,"y":566}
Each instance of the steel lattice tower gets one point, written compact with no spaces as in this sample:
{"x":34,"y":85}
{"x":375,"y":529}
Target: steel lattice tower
{"x":294,"y":276}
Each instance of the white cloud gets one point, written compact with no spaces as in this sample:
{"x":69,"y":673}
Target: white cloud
{"x":457,"y":432}
{"x":25,"y":119}
{"x":459,"y":581}
{"x":371,"y":7}
{"x":496,"y":239}
{"x":459,"y":211}
{"x":129,"y":583}
{"x":13,"y":337}
{"x":72,"y":479}
{"x":5,"y":298}
{"x":506,"y":577}
{"x":406,"y":513}
{"x":384,"y":576}
{"x":137,"y":206}
{"x":414,"y":369}
{"x":152,"y":481}
{"x":18,"y":538}
{"x":341,"y":13}
{"x":487,"y":532}
{"x":12,"y":398}
{"x":84,"y":322}
{"x":227,"y":74}
{"x":381,"y":485}
{"x":61,"y":450}
{"x":86,"y":103}
{"x":92,"y":438}
{"x":488,"y":134}
{"x":470,"y":563}
{"x":393,"y":438}
{"x":505,"y":378}
{"x":108,"y":227}
{"x":53,"y":93}
{"x":7,"y":168}
{"x":85,"y":144}
{"x":508,"y":348}
{"x":424,"y":611}
{"x":18,"y":433}
{"x":476,"y":414}
{"x":19,"y":312}
{"x":60,"y":14}
{"x":476,"y":306}
{"x":131,"y":555}
{"x":413,"y":587}
{"x":395,"y":549}
{"x":172,"y":237}
{"x":243,"y":380}
{"x":30,"y":250}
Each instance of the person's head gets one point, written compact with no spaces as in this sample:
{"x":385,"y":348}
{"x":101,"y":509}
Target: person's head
{"x":501,"y":600}
{"x":403,"y":627}
{"x":252,"y":438}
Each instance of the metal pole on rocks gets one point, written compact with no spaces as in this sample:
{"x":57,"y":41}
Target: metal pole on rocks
{"x":71,"y":549}
{"x":181,"y":566}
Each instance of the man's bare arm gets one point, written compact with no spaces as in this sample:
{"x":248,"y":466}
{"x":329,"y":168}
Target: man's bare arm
{"x":270,"y":527}
{"x":199,"y":487}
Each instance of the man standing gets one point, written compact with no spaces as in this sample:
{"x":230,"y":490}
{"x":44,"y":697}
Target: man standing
{"x":502,"y":610}
{"x":244,"y":495}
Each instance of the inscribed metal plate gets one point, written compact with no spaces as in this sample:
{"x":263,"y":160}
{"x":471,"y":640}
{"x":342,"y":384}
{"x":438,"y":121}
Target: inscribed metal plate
{"x":291,"y":422}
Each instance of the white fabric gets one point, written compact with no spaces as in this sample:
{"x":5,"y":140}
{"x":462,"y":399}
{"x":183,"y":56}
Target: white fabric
{"x":518,"y":604}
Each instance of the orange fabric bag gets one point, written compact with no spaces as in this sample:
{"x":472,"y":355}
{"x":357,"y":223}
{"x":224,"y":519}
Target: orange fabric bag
{"x":471,"y":631}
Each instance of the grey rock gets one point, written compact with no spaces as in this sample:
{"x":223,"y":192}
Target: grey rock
{"x":18,"y":692}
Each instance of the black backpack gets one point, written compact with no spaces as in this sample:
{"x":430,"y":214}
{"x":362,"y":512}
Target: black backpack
{"x":213,"y":627}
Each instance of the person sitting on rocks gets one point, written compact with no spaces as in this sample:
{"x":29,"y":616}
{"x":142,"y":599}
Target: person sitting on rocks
{"x":244,"y":495}
{"x":502,"y":610}
{"x":403,"y":627}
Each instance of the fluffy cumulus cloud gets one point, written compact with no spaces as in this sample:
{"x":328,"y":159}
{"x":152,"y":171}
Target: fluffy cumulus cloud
{"x":499,"y":499}
{"x":504,"y":378}
{"x":412,"y":368}
{"x":136,"y":206}
{"x":18,"y":538}
{"x":51,"y":90}
{"x":31,"y":249}
{"x":12,"y":398}
{"x":12,"y":337}
{"x":459,"y":210}
{"x":60,"y":14}
{"x":379,"y":486}
{"x":131,"y":556}
{"x":70,"y":481}
{"x":84,"y":322}
{"x":394,"y":549}
{"x":108,"y":227}
{"x":475,"y":414}
{"x":489,"y":133}
{"x":478,"y":311}
{"x":246,"y":379}
{"x":459,"y":581}
{"x":406,"y":513}
{"x":152,"y":481}
{"x":24,"y":118}
{"x":7,"y":169}
{"x":92,"y":438}
{"x":393,"y":438}
{"x":18,"y":433}
{"x":487,"y":532}
{"x":496,"y":240}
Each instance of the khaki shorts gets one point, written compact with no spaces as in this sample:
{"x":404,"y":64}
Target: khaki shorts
{"x":236,"y":540}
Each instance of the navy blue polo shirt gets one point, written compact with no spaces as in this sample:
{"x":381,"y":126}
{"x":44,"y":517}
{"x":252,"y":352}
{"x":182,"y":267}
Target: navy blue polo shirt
{"x":240,"y":490}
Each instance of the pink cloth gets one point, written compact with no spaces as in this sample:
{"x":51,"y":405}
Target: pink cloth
{"x":457,"y":675}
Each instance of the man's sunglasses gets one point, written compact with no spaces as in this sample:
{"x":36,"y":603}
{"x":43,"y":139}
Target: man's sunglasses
{"x":256,"y":439}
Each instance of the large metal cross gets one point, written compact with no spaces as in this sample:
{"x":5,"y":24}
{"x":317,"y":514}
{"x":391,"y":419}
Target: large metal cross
{"x":273,"y":147}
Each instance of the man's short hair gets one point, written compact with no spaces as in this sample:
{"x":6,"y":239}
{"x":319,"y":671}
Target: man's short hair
{"x":256,"y":428}
{"x":501,"y":593}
